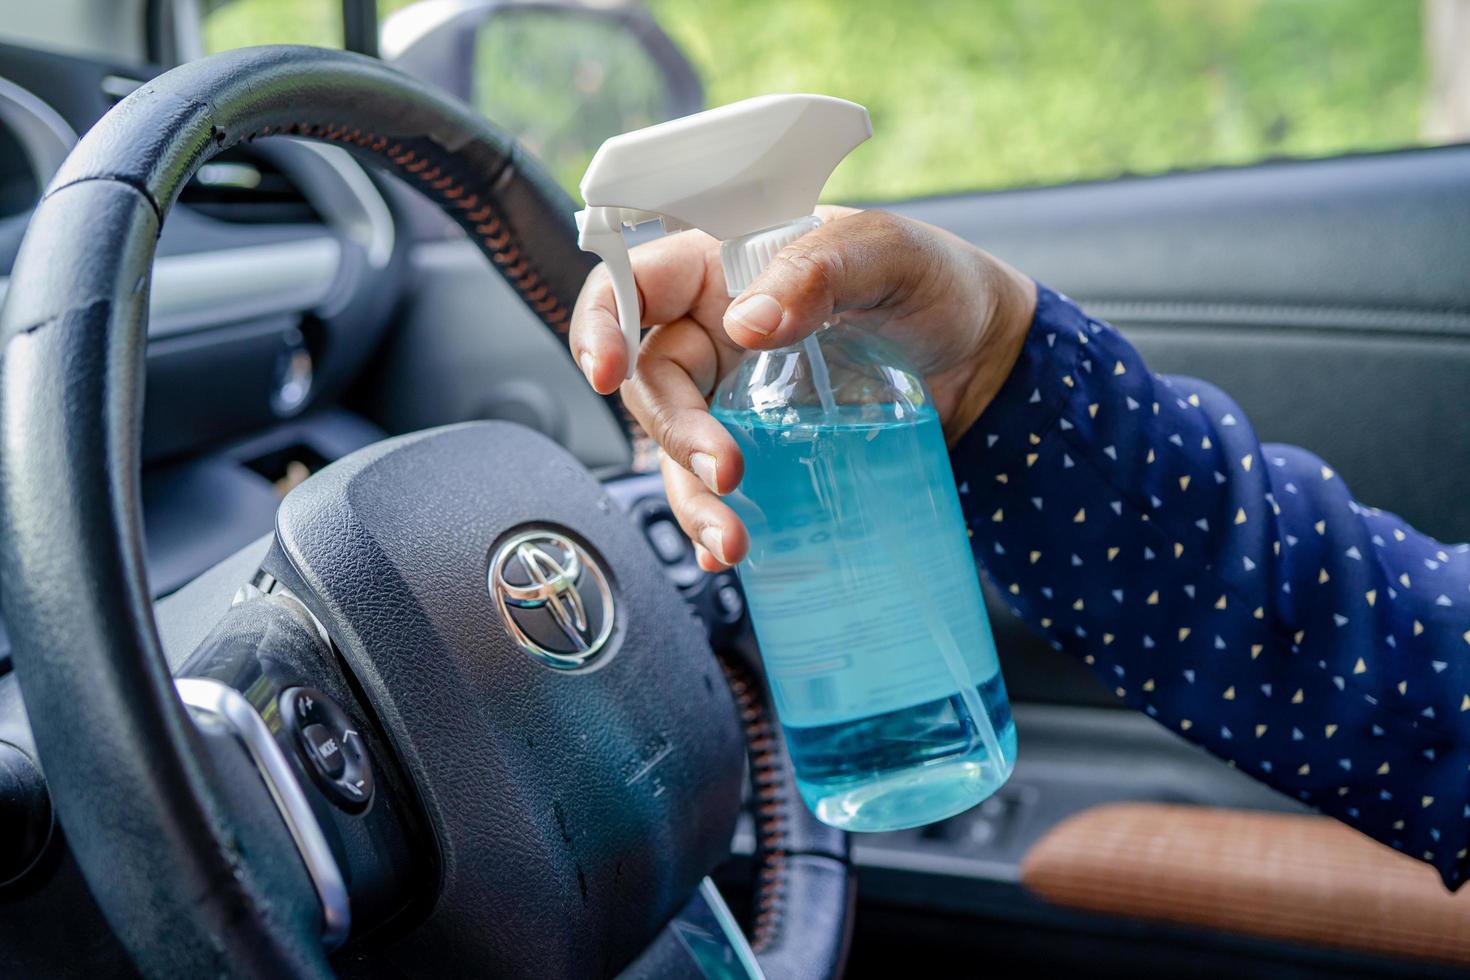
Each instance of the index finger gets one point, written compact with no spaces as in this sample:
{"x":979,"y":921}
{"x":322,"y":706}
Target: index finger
{"x":678,"y":275}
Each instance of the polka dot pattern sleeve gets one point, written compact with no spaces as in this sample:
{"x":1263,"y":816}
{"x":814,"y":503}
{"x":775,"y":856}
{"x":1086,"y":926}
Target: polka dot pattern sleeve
{"x":1234,"y":591}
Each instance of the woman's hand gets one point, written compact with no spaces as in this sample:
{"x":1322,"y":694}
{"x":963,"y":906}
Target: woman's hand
{"x":960,"y":314}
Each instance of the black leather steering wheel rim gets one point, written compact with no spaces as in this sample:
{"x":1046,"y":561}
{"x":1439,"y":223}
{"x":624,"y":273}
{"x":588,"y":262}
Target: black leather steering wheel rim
{"x":121,"y":756}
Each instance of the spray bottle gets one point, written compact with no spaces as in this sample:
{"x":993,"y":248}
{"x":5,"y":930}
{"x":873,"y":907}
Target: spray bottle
{"x":860,"y":580}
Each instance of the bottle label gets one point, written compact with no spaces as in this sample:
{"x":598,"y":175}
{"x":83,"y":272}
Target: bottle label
{"x":873,"y":650}
{"x":860,"y":580}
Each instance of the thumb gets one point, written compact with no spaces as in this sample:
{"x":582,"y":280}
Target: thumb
{"x":860,"y":261}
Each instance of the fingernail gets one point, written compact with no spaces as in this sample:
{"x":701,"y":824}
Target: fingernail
{"x":714,"y":542}
{"x":589,"y":364}
{"x":703,"y":465}
{"x":759,"y":313}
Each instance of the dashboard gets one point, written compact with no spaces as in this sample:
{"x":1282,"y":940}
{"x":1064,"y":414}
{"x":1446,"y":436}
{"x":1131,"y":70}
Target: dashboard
{"x":302,"y":306}
{"x":278,"y":273}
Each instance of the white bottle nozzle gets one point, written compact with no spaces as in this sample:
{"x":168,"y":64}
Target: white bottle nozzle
{"x":749,"y":167}
{"x":600,"y":230}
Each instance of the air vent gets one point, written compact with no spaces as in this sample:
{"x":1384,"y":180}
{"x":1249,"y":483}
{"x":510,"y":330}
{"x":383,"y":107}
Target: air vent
{"x":247,"y":188}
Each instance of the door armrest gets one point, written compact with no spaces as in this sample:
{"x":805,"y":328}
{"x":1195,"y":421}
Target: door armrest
{"x":1289,"y":877}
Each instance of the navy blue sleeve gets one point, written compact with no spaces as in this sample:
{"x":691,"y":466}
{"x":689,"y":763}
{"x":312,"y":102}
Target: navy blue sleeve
{"x":1234,"y":591}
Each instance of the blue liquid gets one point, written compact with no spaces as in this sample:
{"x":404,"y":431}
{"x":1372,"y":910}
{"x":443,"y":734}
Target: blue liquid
{"x":867,"y":606}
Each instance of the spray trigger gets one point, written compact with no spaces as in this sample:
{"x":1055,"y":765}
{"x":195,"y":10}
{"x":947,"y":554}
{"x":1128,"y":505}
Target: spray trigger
{"x":600,"y":230}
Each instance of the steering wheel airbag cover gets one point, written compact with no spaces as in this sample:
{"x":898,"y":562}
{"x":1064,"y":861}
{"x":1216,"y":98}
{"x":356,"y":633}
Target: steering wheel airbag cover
{"x":585,"y":803}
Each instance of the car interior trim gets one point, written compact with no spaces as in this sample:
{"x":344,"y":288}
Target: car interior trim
{"x":731,"y":930}
{"x":120,"y":86}
{"x":197,"y":291}
{"x":1292,"y":877}
{"x":231,"y":707}
{"x":44,"y":135}
{"x":1369,"y":319}
{"x":350,"y":202}
{"x":208,"y":289}
{"x":212,"y":288}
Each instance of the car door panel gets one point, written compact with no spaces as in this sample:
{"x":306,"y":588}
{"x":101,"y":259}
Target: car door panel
{"x":1329,"y":298}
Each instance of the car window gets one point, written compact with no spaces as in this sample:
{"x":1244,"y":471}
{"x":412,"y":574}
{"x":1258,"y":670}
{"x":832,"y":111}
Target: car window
{"x":229,"y":24}
{"x":1007,"y":93}
{"x":991,"y":94}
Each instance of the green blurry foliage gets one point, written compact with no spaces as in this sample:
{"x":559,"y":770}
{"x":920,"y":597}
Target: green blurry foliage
{"x":1006,"y":93}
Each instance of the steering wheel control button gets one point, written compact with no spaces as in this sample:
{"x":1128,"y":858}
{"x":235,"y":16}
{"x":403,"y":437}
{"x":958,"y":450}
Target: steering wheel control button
{"x":329,"y":747}
{"x":553,"y":598}
{"x":730,"y":600}
{"x":668,"y":541}
{"x":25,"y":814}
{"x":325,"y":750}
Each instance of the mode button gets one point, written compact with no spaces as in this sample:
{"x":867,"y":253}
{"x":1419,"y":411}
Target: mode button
{"x":325,"y":750}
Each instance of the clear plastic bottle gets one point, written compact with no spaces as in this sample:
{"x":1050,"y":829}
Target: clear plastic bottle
{"x":862,"y":586}
{"x":860,"y":580}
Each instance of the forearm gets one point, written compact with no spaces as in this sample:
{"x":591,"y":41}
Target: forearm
{"x":1235,"y":592}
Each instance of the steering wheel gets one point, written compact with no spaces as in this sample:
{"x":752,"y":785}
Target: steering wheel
{"x":460,"y":718}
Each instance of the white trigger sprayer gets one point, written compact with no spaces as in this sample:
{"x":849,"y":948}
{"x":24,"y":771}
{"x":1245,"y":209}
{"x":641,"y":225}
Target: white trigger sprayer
{"x":748,"y":173}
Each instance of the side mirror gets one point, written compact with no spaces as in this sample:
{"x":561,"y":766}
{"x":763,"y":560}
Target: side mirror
{"x":561,"y":75}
